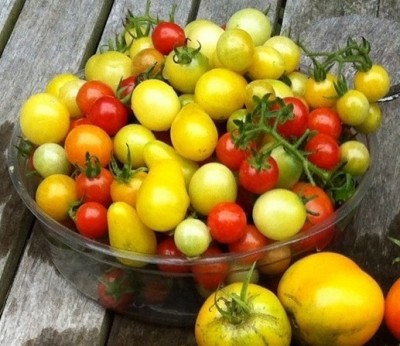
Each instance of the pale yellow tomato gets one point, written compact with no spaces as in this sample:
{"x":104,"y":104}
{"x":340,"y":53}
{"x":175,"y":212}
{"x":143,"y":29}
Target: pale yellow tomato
{"x":267,"y":63}
{"x":67,"y":96}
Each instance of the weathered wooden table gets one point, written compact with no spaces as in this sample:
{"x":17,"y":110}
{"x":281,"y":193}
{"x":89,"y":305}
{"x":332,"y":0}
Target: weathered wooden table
{"x":40,"y":38}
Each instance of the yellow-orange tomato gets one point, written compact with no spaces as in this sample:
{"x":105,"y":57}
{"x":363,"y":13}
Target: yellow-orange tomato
{"x":331,"y":300}
{"x":55,"y":195}
{"x":321,"y":93}
{"x":392,"y":309}
{"x":126,"y":191}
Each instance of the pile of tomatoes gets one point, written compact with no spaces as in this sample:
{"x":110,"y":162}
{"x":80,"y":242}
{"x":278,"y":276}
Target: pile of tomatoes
{"x":200,"y":140}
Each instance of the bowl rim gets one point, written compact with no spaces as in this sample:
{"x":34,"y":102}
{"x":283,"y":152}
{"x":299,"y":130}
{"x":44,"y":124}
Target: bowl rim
{"x":74,"y":239}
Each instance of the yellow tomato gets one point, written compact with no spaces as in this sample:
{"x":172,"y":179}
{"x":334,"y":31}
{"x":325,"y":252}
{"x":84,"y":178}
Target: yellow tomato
{"x":267,"y":63}
{"x":140,"y":44}
{"x":332,"y":301}
{"x":55,"y":196}
{"x":193,"y":133}
{"x":298,"y":82}
{"x":44,"y":119}
{"x":55,"y":84}
{"x":155,"y":104}
{"x":67,"y":96}
{"x":220,"y":92}
{"x":131,"y":140}
{"x":109,"y":67}
{"x":374,"y":83}
{"x":127,"y":232}
{"x":288,"y":49}
{"x":321,"y":93}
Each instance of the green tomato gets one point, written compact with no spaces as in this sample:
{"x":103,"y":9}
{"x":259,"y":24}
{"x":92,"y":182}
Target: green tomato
{"x":254,"y":21}
{"x":353,"y":107}
{"x":373,"y":121}
{"x":279,"y":214}
{"x":192,"y":237}
{"x":183,"y":67}
{"x":50,"y":158}
{"x":356,"y":156}
{"x":238,"y":115}
{"x":290,"y":169}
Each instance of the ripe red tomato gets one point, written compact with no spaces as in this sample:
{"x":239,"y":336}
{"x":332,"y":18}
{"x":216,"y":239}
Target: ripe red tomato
{"x":94,"y":185}
{"x":324,"y":151}
{"x":168,"y":35}
{"x":109,"y":114}
{"x":227,"y":222}
{"x":319,"y":208}
{"x":79,"y":121}
{"x":167,"y":247}
{"x":252,"y":240}
{"x":325,"y":120}
{"x":90,"y":92}
{"x":258,"y":178}
{"x":296,"y":126}
{"x":125,"y":89}
{"x":115,"y":289}
{"x":211,"y":275}
{"x":228,"y":153}
{"x":91,"y":220}
{"x":392,"y":309}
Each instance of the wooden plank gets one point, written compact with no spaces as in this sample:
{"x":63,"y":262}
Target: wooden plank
{"x":45,"y":309}
{"x":9,"y":13}
{"x":42,"y":44}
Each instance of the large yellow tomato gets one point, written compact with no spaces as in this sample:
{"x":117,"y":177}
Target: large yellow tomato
{"x":259,"y":318}
{"x":220,"y":92}
{"x":331,"y":300}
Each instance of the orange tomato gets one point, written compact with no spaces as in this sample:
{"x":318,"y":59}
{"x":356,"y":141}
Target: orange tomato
{"x":88,"y":139}
{"x":392,"y":309}
{"x":331,"y":300}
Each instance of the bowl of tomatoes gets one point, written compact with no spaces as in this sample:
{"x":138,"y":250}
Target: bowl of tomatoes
{"x":153,"y":191}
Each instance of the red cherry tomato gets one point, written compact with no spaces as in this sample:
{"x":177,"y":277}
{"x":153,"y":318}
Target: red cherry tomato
{"x":319,"y":208}
{"x":324,"y":151}
{"x":95,"y":187}
{"x":125,"y":89}
{"x":167,"y":247}
{"x":109,"y":114}
{"x":296,"y":126}
{"x":211,"y":275}
{"x":227,"y":222}
{"x":168,"y":35}
{"x":252,"y":240}
{"x":115,"y":289}
{"x":91,"y":220}
{"x":258,"y":179}
{"x":228,"y":153}
{"x":325,"y":120}
{"x":90,"y":92}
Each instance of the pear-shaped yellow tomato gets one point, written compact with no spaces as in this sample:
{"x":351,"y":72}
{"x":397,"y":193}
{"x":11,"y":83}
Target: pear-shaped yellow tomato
{"x":162,"y":199}
{"x":331,"y":300}
{"x":193,"y":133}
{"x":127,"y":232}
{"x":156,"y":150}
{"x":259,"y":319}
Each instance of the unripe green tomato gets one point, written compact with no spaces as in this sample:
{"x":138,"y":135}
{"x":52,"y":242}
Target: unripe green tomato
{"x":356,"y":156}
{"x":50,"y":158}
{"x":192,"y":237}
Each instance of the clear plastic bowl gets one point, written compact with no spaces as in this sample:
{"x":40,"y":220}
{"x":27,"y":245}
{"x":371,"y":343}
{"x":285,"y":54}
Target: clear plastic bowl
{"x":154,"y":295}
